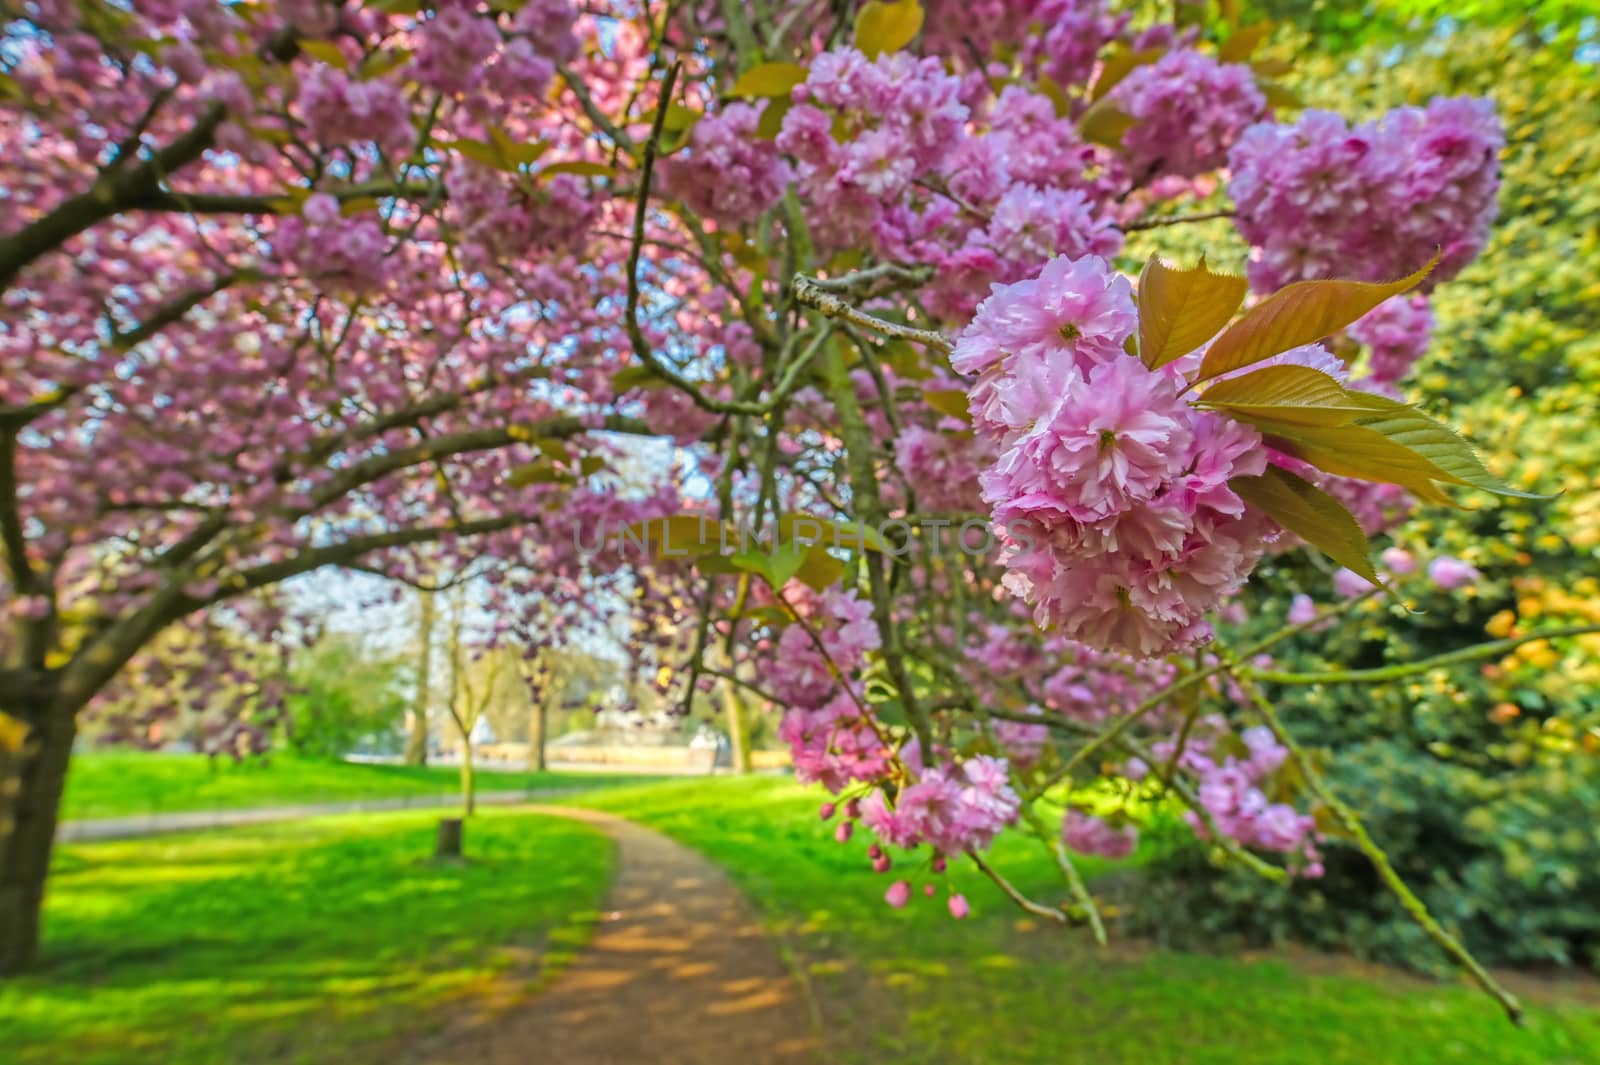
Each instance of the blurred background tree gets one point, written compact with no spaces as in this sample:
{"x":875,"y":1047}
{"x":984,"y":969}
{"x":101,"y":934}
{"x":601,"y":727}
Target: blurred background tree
{"x":1482,"y":782}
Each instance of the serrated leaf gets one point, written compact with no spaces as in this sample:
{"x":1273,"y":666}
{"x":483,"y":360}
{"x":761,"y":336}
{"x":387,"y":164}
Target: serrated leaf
{"x":514,"y":152}
{"x":325,"y":52}
{"x":1296,"y":394}
{"x":1311,"y":514}
{"x":1278,"y":94}
{"x":1051,"y":89}
{"x":551,"y":448}
{"x":768,"y":79}
{"x":678,"y":536}
{"x":576,"y":167}
{"x":1118,"y":64}
{"x":1243,"y":42}
{"x":815,"y":530}
{"x":887,"y":26}
{"x":1105,"y":123}
{"x":680,"y":119}
{"x":1297,"y":314}
{"x":717,"y":565}
{"x":481,"y":152}
{"x":951,"y":402}
{"x":778,"y":566}
{"x":635,"y":376}
{"x":541,"y":472}
{"x":820,"y":570}
{"x":1438,"y":444}
{"x":380,"y":63}
{"x":1271,"y":67}
{"x":770,"y":124}
{"x":1181,"y":309}
{"x":1355,"y":451}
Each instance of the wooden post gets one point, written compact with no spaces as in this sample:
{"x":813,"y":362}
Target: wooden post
{"x":449,"y":845}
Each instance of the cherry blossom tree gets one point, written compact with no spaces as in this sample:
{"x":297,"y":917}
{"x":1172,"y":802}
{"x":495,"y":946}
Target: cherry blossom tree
{"x":947,"y":479}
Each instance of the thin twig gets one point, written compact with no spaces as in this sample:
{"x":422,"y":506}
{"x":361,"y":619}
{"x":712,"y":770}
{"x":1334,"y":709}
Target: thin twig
{"x":1174,"y":220}
{"x":1016,"y":896}
{"x":1458,"y":657}
{"x":1351,"y":823}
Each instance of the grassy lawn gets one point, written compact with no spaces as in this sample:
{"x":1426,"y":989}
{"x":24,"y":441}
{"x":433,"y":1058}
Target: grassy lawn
{"x":912,"y":987}
{"x":334,"y":940}
{"x":124,"y":783}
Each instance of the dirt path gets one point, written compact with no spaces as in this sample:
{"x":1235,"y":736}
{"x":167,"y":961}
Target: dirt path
{"x":678,"y":973}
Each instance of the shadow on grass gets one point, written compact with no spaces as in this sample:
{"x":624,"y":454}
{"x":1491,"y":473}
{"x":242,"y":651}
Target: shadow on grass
{"x":283,"y":944}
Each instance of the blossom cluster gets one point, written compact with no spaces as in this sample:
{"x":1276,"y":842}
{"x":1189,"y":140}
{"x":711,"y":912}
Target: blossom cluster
{"x":1230,"y":792}
{"x":1396,"y":333}
{"x":831,"y":738}
{"x":728,"y":174}
{"x":862,"y":131}
{"x":1189,"y":109}
{"x":954,"y":807}
{"x":339,"y":110}
{"x":1110,"y":490}
{"x":1322,"y":198}
{"x":1088,"y":834}
{"x":346,"y":253}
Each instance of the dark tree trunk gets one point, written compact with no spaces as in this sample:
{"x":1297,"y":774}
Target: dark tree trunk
{"x":32,"y":775}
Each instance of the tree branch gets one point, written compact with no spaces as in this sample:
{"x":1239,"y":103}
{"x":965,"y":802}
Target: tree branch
{"x":808,"y":292}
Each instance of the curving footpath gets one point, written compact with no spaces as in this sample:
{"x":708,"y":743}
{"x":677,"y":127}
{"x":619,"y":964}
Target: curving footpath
{"x":678,"y":972}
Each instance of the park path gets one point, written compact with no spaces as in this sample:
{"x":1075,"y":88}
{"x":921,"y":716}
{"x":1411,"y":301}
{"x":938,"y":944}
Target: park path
{"x":678,"y":972}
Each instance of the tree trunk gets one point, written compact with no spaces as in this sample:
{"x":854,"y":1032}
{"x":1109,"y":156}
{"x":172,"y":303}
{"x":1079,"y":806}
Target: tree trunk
{"x":468,"y":792}
{"x":417,"y":744}
{"x":32,"y":775}
{"x":538,"y":727}
{"x":738,"y":738}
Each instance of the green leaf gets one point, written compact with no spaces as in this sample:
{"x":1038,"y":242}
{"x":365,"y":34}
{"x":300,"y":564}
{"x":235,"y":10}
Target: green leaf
{"x":777,"y":566}
{"x":501,"y":152}
{"x":1118,"y":64}
{"x":1438,"y":444}
{"x":770,"y":123}
{"x":578,"y":167}
{"x":1276,"y":394}
{"x":887,"y":26}
{"x":1181,"y":309}
{"x":325,"y":52}
{"x":1279,"y":95}
{"x":951,"y":402}
{"x":792,"y":527}
{"x":1243,"y":42}
{"x":680,"y":119}
{"x":541,"y":472}
{"x":678,"y":535}
{"x":635,"y":376}
{"x":1297,"y":314}
{"x":1311,"y":514}
{"x":387,"y":61}
{"x":1105,"y":123}
{"x":820,"y":569}
{"x":514,"y":152}
{"x":1355,"y":451}
{"x":768,"y":79}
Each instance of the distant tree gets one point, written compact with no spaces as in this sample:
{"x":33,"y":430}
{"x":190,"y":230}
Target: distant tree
{"x":344,"y":692}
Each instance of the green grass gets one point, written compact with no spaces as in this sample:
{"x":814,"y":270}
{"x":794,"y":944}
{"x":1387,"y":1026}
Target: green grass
{"x":333,"y":940}
{"x":912,"y":987}
{"x":126,"y":783}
